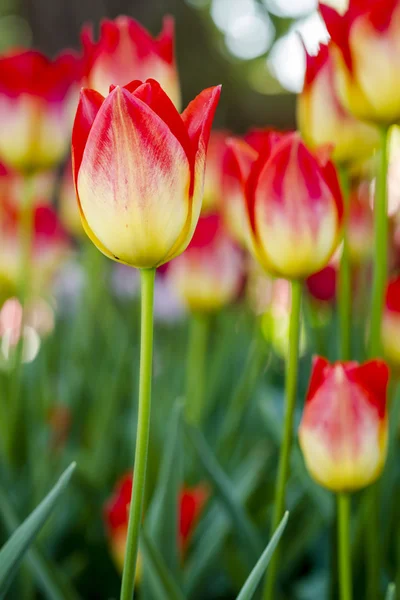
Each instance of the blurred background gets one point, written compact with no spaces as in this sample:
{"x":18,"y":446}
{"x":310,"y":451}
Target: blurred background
{"x":252,"y":47}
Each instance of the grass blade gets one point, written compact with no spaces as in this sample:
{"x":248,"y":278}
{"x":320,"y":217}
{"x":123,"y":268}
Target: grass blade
{"x":257,"y":573}
{"x":391,"y":592}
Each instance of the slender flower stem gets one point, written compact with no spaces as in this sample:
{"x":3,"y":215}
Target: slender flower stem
{"x":344,"y":508}
{"x":196,"y":367}
{"x":290,"y":401}
{"x":345,"y":277}
{"x":380,"y":249}
{"x":142,"y":435}
{"x":374,"y":350}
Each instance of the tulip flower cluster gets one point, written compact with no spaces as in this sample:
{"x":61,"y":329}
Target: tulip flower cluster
{"x":270,"y":240}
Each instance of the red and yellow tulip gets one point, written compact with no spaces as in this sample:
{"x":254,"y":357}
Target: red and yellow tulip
{"x":138,"y":168}
{"x":344,"y":430}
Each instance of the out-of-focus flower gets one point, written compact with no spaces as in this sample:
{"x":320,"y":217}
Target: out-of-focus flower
{"x":367,"y":58}
{"x":139,"y":170}
{"x":276,"y":320}
{"x":322,"y":118}
{"x":322,"y":285}
{"x":239,"y":157}
{"x":360,"y":225}
{"x":37,"y":97}
{"x":116,"y":510}
{"x":126,"y":51}
{"x":11,"y":316}
{"x":343,"y":432}
{"x":212,"y":197}
{"x":391,"y":322}
{"x":50,"y":247}
{"x":12,"y":187}
{"x":294,"y":206}
{"x":208,"y":276}
{"x":69,"y":211}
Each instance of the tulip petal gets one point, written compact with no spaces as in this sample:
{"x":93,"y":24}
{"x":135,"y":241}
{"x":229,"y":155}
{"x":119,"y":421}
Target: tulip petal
{"x":373,"y":376}
{"x":134,"y":182}
{"x":319,"y":365}
{"x":88,"y":107}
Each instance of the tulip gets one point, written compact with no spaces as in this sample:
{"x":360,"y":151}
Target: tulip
{"x":322,"y":285}
{"x":126,"y":51}
{"x":343,"y":432}
{"x":367,"y":58}
{"x":36,"y":100}
{"x":294,"y":207}
{"x":322,"y":118}
{"x":209,"y":275}
{"x":391,"y":322}
{"x":191,"y":504}
{"x":138,"y":169}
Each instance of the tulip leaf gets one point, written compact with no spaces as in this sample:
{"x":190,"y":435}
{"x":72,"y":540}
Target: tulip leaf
{"x":14,"y":550}
{"x":249,"y":588}
{"x":161,"y":579}
{"x":162,"y":518}
{"x":391,"y":592}
{"x":224,"y":488}
{"x":214,"y":529}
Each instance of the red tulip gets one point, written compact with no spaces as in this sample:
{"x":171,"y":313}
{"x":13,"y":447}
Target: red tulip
{"x":367,"y":57}
{"x":36,"y":100}
{"x":294,"y":207}
{"x":322,"y":285}
{"x":139,"y":168}
{"x":322,"y":118}
{"x":391,"y":322}
{"x":343,"y":432}
{"x":360,"y":223}
{"x":209,"y":274}
{"x":116,"y":510}
{"x":126,"y":51}
{"x":213,"y":193}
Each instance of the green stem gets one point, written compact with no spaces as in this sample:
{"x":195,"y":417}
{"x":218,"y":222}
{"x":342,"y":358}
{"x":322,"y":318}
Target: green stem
{"x":345,"y":277}
{"x":343,"y":508}
{"x":378,"y":291}
{"x":196,"y":367}
{"x":290,"y":401}
{"x":380,"y":249}
{"x":142,"y":435}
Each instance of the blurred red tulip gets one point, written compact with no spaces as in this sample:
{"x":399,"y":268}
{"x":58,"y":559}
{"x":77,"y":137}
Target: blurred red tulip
{"x":367,"y":58}
{"x":213,"y":193}
{"x":209,"y":274}
{"x":360,"y":223}
{"x":343,"y":432}
{"x":139,"y":170}
{"x":322,"y":118}
{"x":116,"y":511}
{"x":294,"y":206}
{"x":126,"y":51}
{"x":391,"y":322}
{"x":322,"y":285}
{"x":68,"y":207}
{"x":37,"y":96}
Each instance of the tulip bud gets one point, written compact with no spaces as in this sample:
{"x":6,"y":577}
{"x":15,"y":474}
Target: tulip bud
{"x":36,"y":100}
{"x":116,"y":515}
{"x":367,"y":57}
{"x":139,"y":169}
{"x":322,"y":119}
{"x":294,"y":207}
{"x":391,"y":322}
{"x":209,"y":274}
{"x":126,"y":51}
{"x":343,"y":432}
{"x":322,"y":285}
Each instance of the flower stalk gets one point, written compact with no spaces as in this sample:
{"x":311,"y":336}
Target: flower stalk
{"x":143,"y":430}
{"x":199,"y":329}
{"x":290,"y":402}
{"x":345,"y":578}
